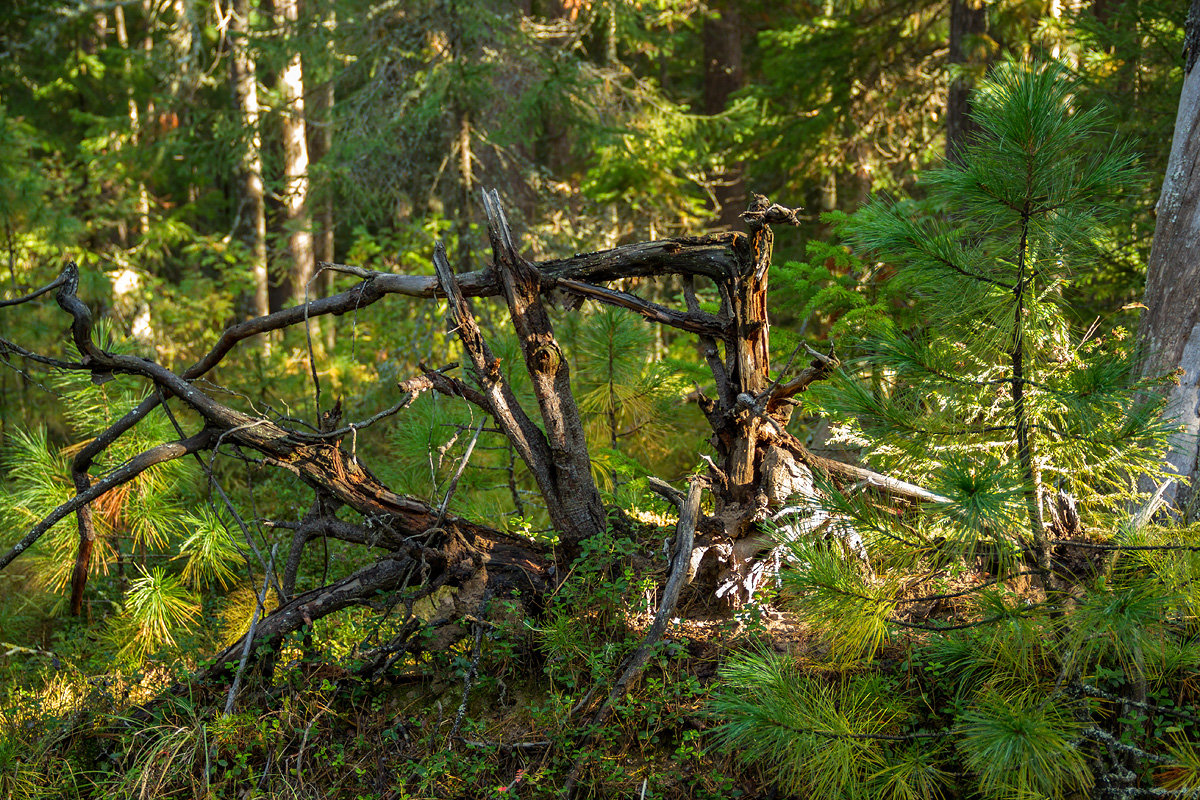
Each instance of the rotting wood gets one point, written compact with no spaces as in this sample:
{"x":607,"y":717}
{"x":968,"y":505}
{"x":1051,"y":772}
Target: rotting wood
{"x":747,"y":413}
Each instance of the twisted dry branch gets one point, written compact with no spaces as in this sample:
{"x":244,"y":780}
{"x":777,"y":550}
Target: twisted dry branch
{"x":554,"y":448}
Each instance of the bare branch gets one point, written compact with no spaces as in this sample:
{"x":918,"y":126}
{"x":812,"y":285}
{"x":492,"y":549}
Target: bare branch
{"x":773,"y":214}
{"x":711,"y":256}
{"x":54,"y":284}
{"x":338,"y":529}
{"x":666,"y":491}
{"x":698,"y":322}
{"x":498,"y":397}
{"x":462,"y":465}
{"x":504,"y":562}
{"x":872,"y":479}
{"x":364,"y":584}
{"x":249,"y":637}
{"x":708,"y":347}
{"x":7,"y":347}
{"x":818,"y":369}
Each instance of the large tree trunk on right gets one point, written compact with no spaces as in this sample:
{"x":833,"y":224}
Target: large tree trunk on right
{"x":1170,"y":329}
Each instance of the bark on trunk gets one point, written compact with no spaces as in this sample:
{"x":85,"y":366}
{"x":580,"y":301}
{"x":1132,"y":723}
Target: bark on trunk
{"x":1170,"y":327}
{"x":558,"y":457}
{"x":297,"y":218}
{"x":322,"y":143}
{"x":253,"y":202}
{"x":967,"y":18}
{"x":724,"y":74}
{"x":135,"y":121}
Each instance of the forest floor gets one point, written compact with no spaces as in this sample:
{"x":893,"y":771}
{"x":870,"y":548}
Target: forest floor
{"x":502,"y":712}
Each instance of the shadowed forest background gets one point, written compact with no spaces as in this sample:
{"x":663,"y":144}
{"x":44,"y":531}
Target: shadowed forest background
{"x":598,"y":398}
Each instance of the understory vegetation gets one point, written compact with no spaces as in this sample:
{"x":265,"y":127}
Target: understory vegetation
{"x":398,"y":516}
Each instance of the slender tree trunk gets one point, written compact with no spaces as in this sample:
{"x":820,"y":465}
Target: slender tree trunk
{"x":127,"y":282}
{"x":610,"y":33}
{"x":967,"y":18}
{"x":184,"y":36}
{"x":1170,"y":329}
{"x":319,"y":72}
{"x":723,"y":71}
{"x":295,"y":163}
{"x":253,"y":202}
{"x":466,"y":175}
{"x":323,"y":143}
{"x":1025,"y":436}
{"x":724,"y":74}
{"x":135,"y":121}
{"x":1054,"y":11}
{"x":460,"y":112}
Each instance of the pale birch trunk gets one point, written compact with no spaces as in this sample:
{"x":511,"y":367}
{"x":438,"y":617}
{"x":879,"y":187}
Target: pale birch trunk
{"x":245,"y":90}
{"x":295,"y":163}
{"x":1170,"y":328}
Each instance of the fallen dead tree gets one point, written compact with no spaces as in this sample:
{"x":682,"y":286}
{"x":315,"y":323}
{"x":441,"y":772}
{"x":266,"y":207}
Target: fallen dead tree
{"x":760,"y":466}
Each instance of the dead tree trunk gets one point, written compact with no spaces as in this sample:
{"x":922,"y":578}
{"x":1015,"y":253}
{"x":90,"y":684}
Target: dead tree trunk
{"x":557,"y":457}
{"x":761,"y":466}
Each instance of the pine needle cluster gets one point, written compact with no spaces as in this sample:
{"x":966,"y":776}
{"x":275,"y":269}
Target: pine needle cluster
{"x":1038,"y":641}
{"x":156,"y":543}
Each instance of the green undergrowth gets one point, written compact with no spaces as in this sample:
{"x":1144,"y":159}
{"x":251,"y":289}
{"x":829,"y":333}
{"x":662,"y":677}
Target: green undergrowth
{"x":1003,"y":693}
{"x":946,"y":680}
{"x":318,"y":728}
